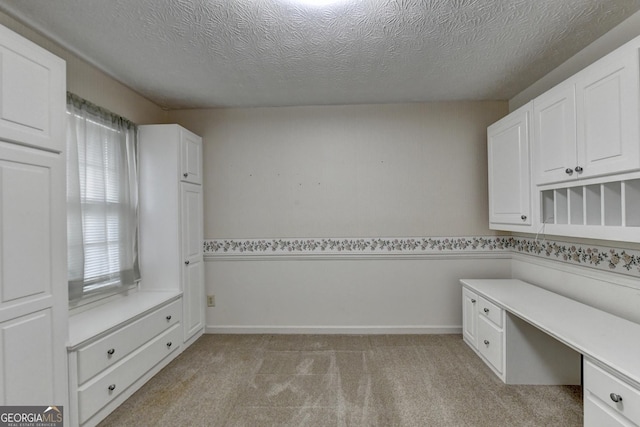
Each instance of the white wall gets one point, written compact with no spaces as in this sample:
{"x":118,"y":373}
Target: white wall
{"x":369,"y":170}
{"x":615,"y":293}
{"x":344,"y":171}
{"x":343,"y":296}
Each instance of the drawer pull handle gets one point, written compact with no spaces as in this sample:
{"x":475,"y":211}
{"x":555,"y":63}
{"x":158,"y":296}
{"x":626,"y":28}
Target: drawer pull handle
{"x":186,"y":262}
{"x":486,"y":310}
{"x":169,"y":317}
{"x":112,"y":387}
{"x":111,"y":351}
{"x":486,"y":342}
{"x":473,"y":301}
{"x":169,"y":344}
{"x":186,"y":174}
{"x":615,"y":397}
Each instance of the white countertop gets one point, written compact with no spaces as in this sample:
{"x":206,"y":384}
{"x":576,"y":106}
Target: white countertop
{"x":611,"y":340}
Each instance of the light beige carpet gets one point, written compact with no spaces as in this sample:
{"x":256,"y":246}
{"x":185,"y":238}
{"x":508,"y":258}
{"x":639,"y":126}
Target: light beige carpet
{"x":326,"y":380}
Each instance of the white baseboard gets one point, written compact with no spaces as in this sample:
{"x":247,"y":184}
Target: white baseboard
{"x":334,"y":330}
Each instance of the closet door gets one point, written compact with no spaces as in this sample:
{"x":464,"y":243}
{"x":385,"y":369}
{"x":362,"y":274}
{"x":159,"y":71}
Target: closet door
{"x":32,"y":93}
{"x":192,"y":268}
{"x":33,"y":289}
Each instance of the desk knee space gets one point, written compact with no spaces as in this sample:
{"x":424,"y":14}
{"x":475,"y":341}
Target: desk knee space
{"x":516,"y":351}
{"x":528,"y":335}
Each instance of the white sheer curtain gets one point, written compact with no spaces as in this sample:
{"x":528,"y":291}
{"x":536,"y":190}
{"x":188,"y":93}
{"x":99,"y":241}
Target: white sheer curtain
{"x":102,"y":199}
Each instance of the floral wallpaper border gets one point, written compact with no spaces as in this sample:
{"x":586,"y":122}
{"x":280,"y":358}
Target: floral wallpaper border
{"x":623,"y":261}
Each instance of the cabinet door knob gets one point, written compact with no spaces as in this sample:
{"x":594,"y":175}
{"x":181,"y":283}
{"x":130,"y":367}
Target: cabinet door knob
{"x":523,"y":217}
{"x":473,"y":301}
{"x":169,"y":317}
{"x":568,"y":171}
{"x":486,"y":310}
{"x":111,"y":351}
{"x":169,"y":344}
{"x":112,"y":387}
{"x":486,"y":342}
{"x":186,"y":174}
{"x":186,"y":263}
{"x":615,"y":397}
{"x":579,"y":169}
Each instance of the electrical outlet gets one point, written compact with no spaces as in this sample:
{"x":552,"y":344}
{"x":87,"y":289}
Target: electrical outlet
{"x":211,"y":301}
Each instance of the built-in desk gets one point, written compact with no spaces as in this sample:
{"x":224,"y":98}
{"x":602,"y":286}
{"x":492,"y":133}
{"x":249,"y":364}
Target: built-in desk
{"x":503,"y":321}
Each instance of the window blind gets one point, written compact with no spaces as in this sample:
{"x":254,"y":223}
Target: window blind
{"x":102,"y":200}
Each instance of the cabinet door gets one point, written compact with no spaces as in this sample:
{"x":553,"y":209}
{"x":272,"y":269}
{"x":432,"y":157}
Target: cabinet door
{"x":193,"y":268}
{"x":608,"y":115}
{"x":33,"y":284}
{"x":190,"y":157}
{"x":509,"y":171}
{"x":470,"y":317}
{"x":554,"y":115}
{"x":32,"y":93}
{"x":27,"y":357}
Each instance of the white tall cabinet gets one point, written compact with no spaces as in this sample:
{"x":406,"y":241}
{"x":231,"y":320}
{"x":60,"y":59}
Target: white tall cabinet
{"x":33,"y":259}
{"x":171,"y":221}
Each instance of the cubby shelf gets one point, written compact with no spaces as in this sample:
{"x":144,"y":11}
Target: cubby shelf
{"x":608,"y":209}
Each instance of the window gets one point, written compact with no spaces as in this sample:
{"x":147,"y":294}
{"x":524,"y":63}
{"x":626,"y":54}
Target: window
{"x":102,"y":200}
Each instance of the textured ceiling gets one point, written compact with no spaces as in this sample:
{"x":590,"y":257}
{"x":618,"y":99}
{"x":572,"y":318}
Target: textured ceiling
{"x":212,"y":53}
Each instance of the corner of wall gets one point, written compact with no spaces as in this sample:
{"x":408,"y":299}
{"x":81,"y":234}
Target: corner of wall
{"x":616,"y":37}
{"x":89,"y":81}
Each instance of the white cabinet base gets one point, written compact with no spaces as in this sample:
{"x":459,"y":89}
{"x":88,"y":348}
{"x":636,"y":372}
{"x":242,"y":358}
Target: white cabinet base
{"x":117,"y":347}
{"x":609,"y":400}
{"x":516,"y":351}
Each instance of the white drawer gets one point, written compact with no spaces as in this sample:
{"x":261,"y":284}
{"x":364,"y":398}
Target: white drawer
{"x":101,"y":390}
{"x":490,"y":343}
{"x":490,"y":311}
{"x":107,"y":351}
{"x":602,"y":389}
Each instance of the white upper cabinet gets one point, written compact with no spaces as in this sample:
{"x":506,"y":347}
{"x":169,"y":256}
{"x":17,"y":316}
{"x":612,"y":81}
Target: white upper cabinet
{"x":587,"y":126}
{"x":509,"y":172}
{"x":607,"y":97}
{"x":555,"y":134}
{"x":190,"y":157}
{"x":32,"y":93}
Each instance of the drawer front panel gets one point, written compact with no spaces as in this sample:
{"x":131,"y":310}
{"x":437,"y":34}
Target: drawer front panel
{"x":490,"y":311}
{"x":607,"y":388}
{"x":490,"y":343}
{"x":104,"y":388}
{"x":107,"y":351}
{"x":598,"y":414}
